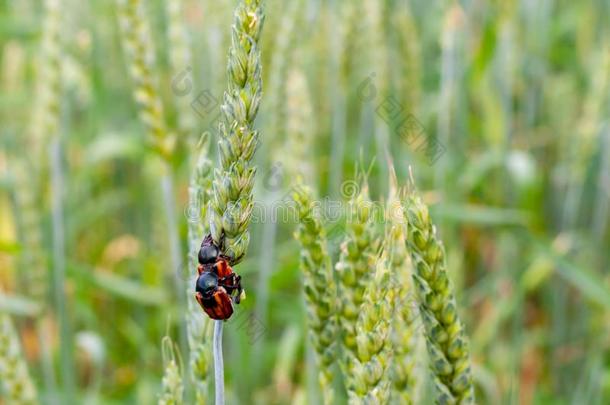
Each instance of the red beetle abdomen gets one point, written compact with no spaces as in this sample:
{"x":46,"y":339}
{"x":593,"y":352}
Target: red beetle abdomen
{"x":219,"y":306}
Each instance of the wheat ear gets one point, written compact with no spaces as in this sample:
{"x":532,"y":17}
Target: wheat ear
{"x":198,"y":327}
{"x":356,"y":265}
{"x":230,"y":208}
{"x":173,"y":390}
{"x":406,"y":325}
{"x":369,"y":380}
{"x":300,"y":132}
{"x":44,"y":126}
{"x":180,"y":59}
{"x":45,"y":122}
{"x":231,"y":205}
{"x":445,"y":337}
{"x":139,"y":49}
{"x":15,"y":380}
{"x":319,"y":287}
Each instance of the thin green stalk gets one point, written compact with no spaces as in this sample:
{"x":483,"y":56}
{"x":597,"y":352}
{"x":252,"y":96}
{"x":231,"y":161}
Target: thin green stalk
{"x":15,"y":383}
{"x":59,"y":266}
{"x":266,"y":261}
{"x":219,"y":368}
{"x":319,"y":287}
{"x":378,"y":55}
{"x":345,"y":46}
{"x":581,"y":148}
{"x":448,"y":84}
{"x":446,"y":339}
{"x":602,"y":197}
{"x":46,"y":131}
{"x":180,"y":59}
{"x":198,"y":326}
{"x":408,"y":56}
{"x":169,"y":205}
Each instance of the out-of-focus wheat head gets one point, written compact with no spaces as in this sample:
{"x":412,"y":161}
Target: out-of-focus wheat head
{"x":180,"y":59}
{"x":198,"y":326}
{"x":445,"y":337}
{"x":283,"y":50}
{"x":300,"y":137}
{"x":45,"y":122}
{"x":139,"y":50}
{"x":356,"y":266}
{"x":231,"y":205}
{"x":15,"y":380}
{"x":27,"y":170}
{"x":172,"y":387}
{"x":28,"y":204}
{"x":319,"y":287}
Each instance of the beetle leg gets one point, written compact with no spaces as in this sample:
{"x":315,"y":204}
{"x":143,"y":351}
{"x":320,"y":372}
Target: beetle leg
{"x":237,"y":283}
{"x":200,"y":269}
{"x":199,"y":298}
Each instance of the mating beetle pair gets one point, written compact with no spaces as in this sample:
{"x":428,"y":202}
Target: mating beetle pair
{"x":217,"y":286}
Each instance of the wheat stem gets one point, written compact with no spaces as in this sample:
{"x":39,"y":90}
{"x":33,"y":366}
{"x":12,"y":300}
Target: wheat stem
{"x":319,"y":287}
{"x":59,"y":266}
{"x":198,"y":326}
{"x":180,"y":59}
{"x":408,"y":55}
{"x":169,"y":206}
{"x":219,"y":374}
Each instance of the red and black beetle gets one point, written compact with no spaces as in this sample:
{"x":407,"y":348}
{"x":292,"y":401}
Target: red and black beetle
{"x":217,"y":286}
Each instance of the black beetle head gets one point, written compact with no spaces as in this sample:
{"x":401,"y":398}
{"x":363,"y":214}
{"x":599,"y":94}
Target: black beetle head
{"x":208,"y":254}
{"x":207,"y":283}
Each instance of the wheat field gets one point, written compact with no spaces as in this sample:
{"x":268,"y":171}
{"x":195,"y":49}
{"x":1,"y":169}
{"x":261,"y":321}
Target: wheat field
{"x":414,"y":196}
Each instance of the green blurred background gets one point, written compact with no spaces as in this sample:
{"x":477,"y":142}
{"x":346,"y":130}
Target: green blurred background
{"x":510,"y":98}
